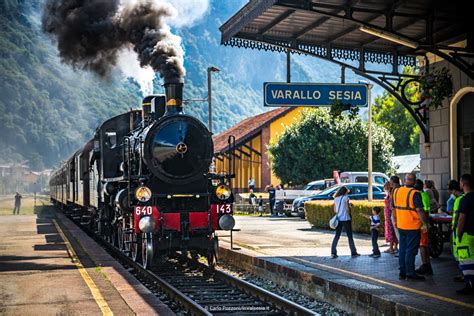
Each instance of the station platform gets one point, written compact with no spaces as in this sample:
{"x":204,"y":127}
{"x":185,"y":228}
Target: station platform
{"x":292,"y":254}
{"x":48,"y":266}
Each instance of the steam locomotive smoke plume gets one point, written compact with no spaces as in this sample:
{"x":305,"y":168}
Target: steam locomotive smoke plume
{"x":93,"y":34}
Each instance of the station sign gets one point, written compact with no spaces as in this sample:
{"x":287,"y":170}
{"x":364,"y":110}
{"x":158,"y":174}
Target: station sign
{"x":314,"y":94}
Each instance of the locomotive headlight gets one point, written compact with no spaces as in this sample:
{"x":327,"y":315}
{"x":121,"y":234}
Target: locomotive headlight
{"x":223,"y":192}
{"x":147,"y":224}
{"x":143,"y":194}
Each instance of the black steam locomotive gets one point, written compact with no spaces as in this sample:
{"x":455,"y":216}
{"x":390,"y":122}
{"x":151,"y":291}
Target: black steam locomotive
{"x":144,"y":182}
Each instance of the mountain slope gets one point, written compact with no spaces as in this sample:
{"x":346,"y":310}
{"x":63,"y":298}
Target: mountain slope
{"x":48,"y":110}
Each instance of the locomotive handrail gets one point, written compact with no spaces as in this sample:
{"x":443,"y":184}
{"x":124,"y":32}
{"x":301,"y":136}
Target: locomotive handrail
{"x":182,"y":195}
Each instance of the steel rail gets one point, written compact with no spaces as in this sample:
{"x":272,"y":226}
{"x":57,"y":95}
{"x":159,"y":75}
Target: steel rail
{"x":191,"y":306}
{"x":187,"y":303}
{"x":264,"y":295}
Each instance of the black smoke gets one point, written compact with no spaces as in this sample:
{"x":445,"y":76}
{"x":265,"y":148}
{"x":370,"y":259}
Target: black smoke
{"x":91,"y":33}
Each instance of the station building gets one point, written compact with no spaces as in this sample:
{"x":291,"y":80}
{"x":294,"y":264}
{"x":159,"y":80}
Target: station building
{"x":450,"y":151}
{"x":249,"y":153}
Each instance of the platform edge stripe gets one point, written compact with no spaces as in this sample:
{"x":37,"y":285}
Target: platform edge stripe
{"x":401,"y":287}
{"x":101,"y":302}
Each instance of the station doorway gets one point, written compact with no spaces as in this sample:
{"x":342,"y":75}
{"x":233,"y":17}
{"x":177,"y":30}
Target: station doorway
{"x":465,"y":133}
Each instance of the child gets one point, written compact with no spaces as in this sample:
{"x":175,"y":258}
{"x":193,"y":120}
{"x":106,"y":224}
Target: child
{"x":374,"y":230}
{"x":260,"y":205}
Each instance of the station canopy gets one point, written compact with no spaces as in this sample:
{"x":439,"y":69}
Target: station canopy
{"x":356,"y":34}
{"x":351,"y":24}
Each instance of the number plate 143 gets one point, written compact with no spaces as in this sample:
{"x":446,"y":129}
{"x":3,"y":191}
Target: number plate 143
{"x":224,"y":208}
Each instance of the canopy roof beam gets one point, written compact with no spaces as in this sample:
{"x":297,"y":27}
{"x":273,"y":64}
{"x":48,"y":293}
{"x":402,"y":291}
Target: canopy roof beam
{"x":277,"y":20}
{"x":310,"y":5}
{"x":348,"y":16}
{"x":388,"y":20}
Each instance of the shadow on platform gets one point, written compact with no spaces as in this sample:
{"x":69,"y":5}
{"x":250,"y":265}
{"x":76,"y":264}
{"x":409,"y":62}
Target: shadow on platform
{"x":12,"y":264}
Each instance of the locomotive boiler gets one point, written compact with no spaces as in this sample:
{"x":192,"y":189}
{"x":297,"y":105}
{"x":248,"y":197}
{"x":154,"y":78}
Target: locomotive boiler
{"x":144,"y":182}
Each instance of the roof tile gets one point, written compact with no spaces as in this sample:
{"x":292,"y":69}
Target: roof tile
{"x":247,"y":128}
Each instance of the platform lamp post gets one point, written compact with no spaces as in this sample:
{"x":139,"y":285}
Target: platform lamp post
{"x":210,"y":70}
{"x":369,"y":141}
{"x":370,"y":192}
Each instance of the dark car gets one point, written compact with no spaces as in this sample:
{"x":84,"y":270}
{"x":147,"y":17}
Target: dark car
{"x":357,"y":191}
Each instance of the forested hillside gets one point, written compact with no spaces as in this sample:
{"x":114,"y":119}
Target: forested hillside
{"x":48,"y":110}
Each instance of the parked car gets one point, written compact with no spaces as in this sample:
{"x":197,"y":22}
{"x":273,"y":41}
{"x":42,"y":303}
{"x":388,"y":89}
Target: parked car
{"x":357,"y":191}
{"x":363,"y":176}
{"x":285,"y":198}
{"x":320,"y":184}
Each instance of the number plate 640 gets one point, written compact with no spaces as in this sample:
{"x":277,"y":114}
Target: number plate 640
{"x":144,"y":210}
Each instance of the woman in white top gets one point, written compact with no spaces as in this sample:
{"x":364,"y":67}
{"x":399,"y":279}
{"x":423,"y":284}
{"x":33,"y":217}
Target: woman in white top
{"x":342,"y":208}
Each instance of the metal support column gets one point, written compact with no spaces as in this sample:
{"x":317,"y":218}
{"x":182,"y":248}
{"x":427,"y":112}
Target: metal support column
{"x":288,"y":65}
{"x":369,"y":150}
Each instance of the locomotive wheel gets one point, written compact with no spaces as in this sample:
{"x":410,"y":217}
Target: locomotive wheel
{"x":135,"y":246}
{"x":211,"y":259}
{"x":120,"y":236}
{"x":147,"y":250}
{"x":127,"y":237}
{"x":212,"y":253}
{"x":109,"y":235}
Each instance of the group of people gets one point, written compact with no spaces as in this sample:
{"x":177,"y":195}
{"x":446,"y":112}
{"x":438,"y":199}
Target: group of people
{"x":271,"y":190}
{"x":406,"y":213}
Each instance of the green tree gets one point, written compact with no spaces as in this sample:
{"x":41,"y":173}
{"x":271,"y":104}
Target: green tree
{"x":391,"y":114}
{"x":318,"y":144}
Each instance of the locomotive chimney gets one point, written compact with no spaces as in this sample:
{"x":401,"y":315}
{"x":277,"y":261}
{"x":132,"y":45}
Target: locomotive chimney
{"x":174,"y":96}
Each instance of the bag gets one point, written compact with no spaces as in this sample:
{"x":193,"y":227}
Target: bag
{"x":333,"y":222}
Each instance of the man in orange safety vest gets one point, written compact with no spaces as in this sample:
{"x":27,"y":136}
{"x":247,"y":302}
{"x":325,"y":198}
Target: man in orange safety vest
{"x":410,"y":219}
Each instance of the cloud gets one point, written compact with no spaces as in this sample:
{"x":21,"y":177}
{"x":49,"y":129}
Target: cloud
{"x":188,"y":12}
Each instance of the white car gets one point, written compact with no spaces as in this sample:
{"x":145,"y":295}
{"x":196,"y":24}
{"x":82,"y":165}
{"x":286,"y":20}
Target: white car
{"x":363,"y":176}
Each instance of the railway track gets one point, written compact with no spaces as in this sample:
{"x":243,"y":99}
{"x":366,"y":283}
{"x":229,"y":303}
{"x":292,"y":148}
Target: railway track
{"x":201,"y":291}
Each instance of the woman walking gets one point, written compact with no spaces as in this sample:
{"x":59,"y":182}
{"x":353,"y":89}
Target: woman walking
{"x":390,"y":236}
{"x":342,"y":208}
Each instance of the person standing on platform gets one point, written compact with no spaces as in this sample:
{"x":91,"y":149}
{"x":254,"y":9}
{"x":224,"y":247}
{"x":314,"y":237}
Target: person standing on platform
{"x":390,"y":236}
{"x":394,"y":183}
{"x":260,"y":205}
{"x":465,"y":234}
{"x":272,"y":198}
{"x":431,"y":185}
{"x":456,"y":192}
{"x":425,"y":268}
{"x":251,"y":184}
{"x":409,"y":219}
{"x":374,"y":230}
{"x":252,"y":198}
{"x":428,"y":188}
{"x":17,"y":207}
{"x":342,"y":208}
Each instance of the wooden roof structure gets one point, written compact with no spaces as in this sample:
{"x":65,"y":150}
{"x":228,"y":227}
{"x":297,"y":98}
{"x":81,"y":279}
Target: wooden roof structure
{"x":247,"y":129}
{"x":357,"y":34}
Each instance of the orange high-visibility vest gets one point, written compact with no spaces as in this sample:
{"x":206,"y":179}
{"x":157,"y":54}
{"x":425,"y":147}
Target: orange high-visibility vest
{"x":407,"y":216}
